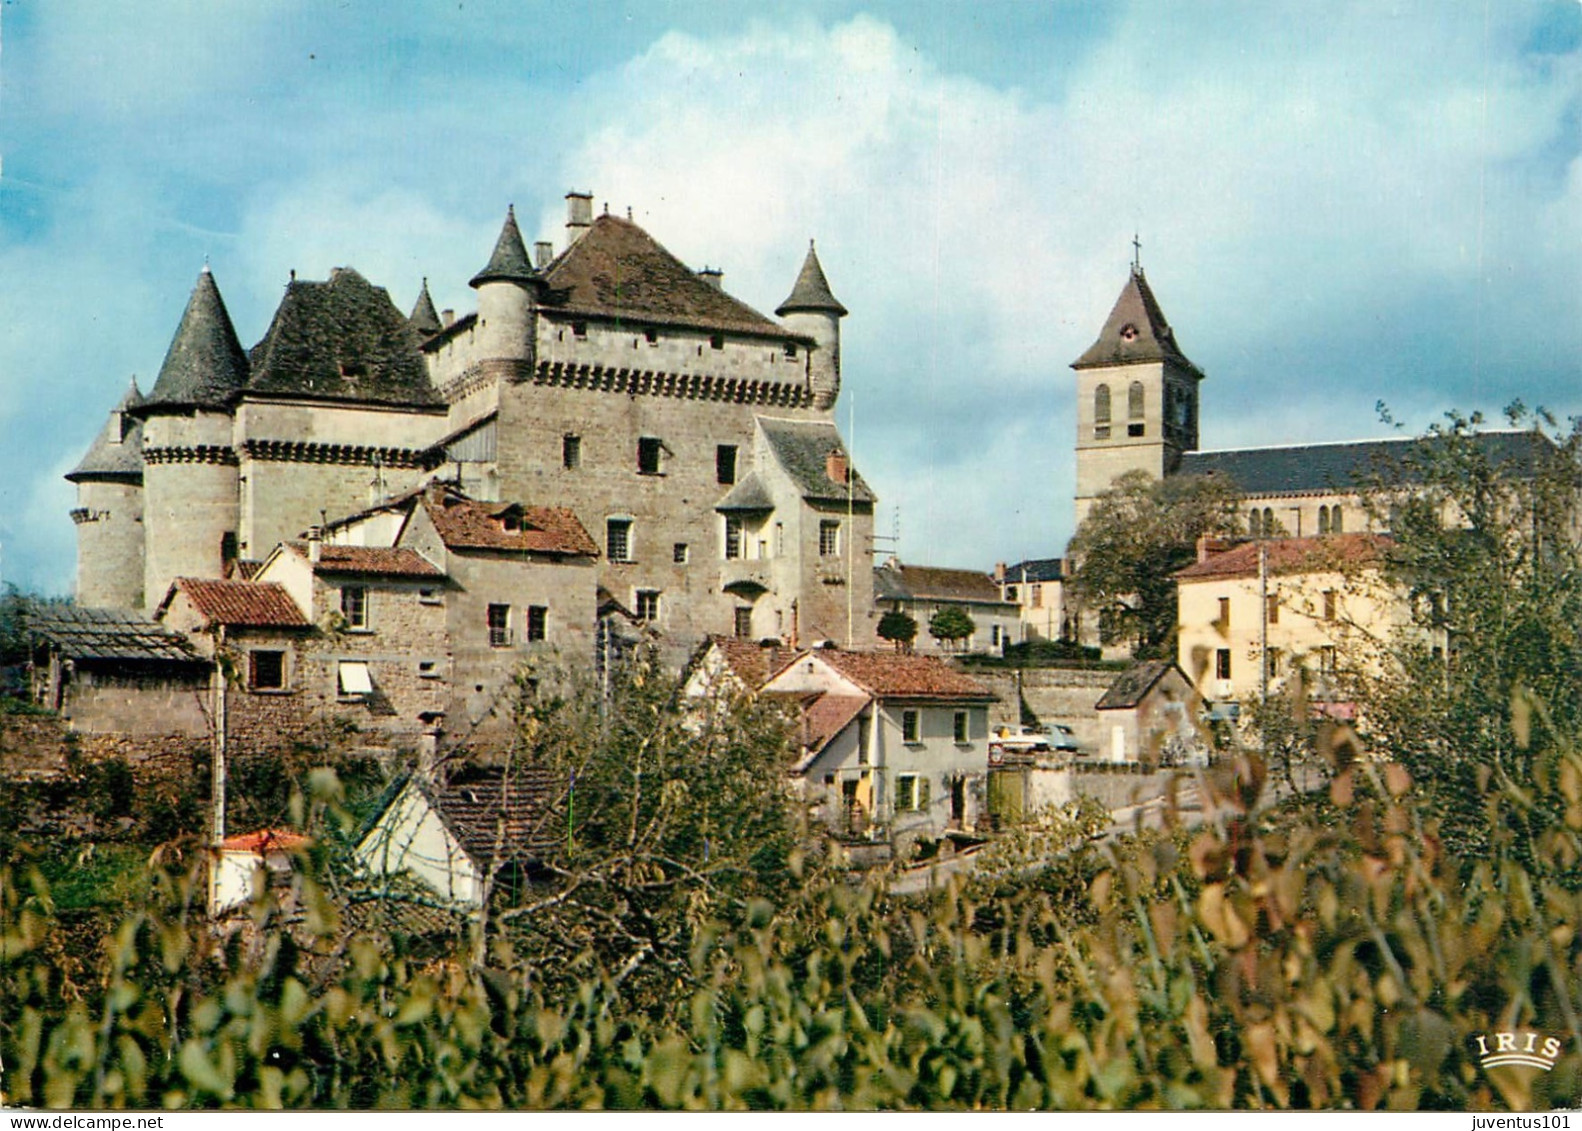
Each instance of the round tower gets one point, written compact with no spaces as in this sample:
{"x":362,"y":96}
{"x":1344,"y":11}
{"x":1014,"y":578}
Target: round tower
{"x":506,"y":297}
{"x":109,"y":512}
{"x":813,"y":310}
{"x":191,"y":504}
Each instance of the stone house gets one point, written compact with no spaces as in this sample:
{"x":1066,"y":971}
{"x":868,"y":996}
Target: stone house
{"x":893,"y":745}
{"x":378,"y":657}
{"x":456,"y":837}
{"x":610,"y":379}
{"x":1254,"y":614}
{"x":1037,"y":587}
{"x":1149,"y":715}
{"x":114,"y":671}
{"x":922,"y":591}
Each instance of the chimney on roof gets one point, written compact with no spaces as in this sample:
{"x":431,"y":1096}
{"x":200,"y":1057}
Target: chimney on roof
{"x":543,"y":252}
{"x":447,"y":317}
{"x":579,"y":215}
{"x":835,"y":466}
{"x":714,"y":277}
{"x":315,"y":543}
{"x":1208,"y":545}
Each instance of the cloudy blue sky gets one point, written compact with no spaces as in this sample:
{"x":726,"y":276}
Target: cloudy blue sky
{"x":1338,"y":202}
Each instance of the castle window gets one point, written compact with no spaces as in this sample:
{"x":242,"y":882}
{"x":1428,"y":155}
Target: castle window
{"x":618,"y":539}
{"x":1323,"y":520}
{"x":733,"y":538}
{"x":647,"y":604}
{"x":579,"y":329}
{"x":537,"y":622}
{"x":428,"y":669}
{"x":716,"y":341}
{"x":266,"y":670}
{"x":1268,"y":522}
{"x":791,"y":351}
{"x":1335,"y":526}
{"x":498,"y":618}
{"x":829,"y":539}
{"x":678,"y":553}
{"x":354,"y":606}
{"x":570,"y":452}
{"x":1222,"y":663}
{"x":744,"y":622}
{"x":1136,"y":429}
{"x":651,"y":336}
{"x":725,"y":463}
{"x":649,"y":453}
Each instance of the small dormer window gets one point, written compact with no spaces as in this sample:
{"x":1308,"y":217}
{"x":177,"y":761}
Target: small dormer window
{"x":511,"y":522}
{"x":716,"y":341}
{"x":579,"y":330}
{"x":351,"y":370}
{"x":790,"y":351}
{"x":651,"y":336}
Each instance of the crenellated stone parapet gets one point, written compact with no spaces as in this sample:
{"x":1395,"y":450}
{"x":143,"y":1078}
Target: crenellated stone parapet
{"x":195,"y":453}
{"x":302,"y":451}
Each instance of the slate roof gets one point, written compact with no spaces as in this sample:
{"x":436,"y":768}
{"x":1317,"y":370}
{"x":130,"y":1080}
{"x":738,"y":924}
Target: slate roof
{"x":938,"y":583}
{"x":424,"y":318}
{"x":811,"y":290}
{"x":1328,"y":553}
{"x":1036,"y":569}
{"x":1305,"y":469}
{"x":509,"y":262}
{"x":464,"y":524}
{"x":1133,"y":685}
{"x":79,"y":633}
{"x":244,"y":604}
{"x":387,"y":561}
{"x":205,"y":366}
{"x":1136,"y":331}
{"x":887,"y":585}
{"x":802,"y":448}
{"x":490,"y":808}
{"x":617,"y":270}
{"x":893,"y":675}
{"x":749,"y":494}
{"x":342,"y":339}
{"x":117,"y":451}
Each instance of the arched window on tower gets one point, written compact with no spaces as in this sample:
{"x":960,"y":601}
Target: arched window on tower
{"x":1101,"y":412}
{"x":1335,"y":525}
{"x":1134,"y":409}
{"x":1268,"y":522}
{"x":1323,"y":520}
{"x":1255,"y":523}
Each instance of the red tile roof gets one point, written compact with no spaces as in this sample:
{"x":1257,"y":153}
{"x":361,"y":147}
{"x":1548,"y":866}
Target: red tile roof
{"x":824,"y":718}
{"x":388,"y":561}
{"x":266,"y":840}
{"x":464,"y":524}
{"x":892,"y":675}
{"x":250,"y":604}
{"x":1329,"y":554}
{"x":749,"y":661}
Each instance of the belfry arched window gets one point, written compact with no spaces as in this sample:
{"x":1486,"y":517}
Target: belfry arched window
{"x":1134,"y":401}
{"x":1323,"y":520}
{"x":1101,"y":412}
{"x":1335,"y":525}
{"x":1255,"y":523}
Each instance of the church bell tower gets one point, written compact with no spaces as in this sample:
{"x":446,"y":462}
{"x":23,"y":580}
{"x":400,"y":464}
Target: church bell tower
{"x":1137,"y":396}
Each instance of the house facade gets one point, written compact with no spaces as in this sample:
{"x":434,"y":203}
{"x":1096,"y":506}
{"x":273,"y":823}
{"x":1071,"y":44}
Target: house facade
{"x":1037,"y":587}
{"x":923,"y":591}
{"x":892,"y":746}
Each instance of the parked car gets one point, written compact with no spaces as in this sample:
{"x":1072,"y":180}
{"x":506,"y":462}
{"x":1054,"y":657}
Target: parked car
{"x":1028,"y":742}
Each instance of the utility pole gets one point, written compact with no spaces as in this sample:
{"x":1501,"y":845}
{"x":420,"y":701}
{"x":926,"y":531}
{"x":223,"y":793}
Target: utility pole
{"x":1263,"y":623}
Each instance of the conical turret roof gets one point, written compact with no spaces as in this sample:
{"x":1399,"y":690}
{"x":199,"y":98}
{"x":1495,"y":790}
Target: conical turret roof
{"x":1135,"y":332}
{"x":117,"y":451}
{"x":509,"y":263}
{"x":811,"y":291}
{"x":424,"y":318}
{"x":206,"y":366}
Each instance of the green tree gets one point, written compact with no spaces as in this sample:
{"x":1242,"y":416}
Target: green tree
{"x":898,"y":628}
{"x":1483,"y":684}
{"x":1135,"y":537}
{"x":951,"y":625}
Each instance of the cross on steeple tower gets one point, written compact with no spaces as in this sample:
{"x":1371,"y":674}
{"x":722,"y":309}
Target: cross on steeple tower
{"x":1137,"y":254}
